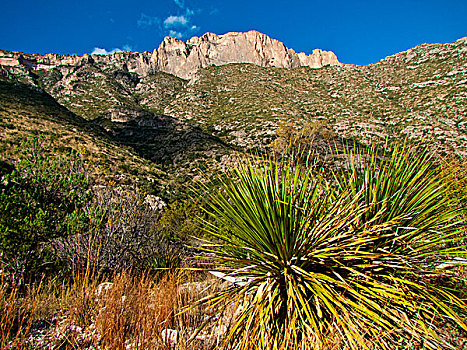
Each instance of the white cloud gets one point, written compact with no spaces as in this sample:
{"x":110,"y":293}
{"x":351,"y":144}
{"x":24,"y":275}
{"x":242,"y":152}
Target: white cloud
{"x":175,"y":34}
{"x":127,"y":47}
{"x":100,"y":51}
{"x":179,"y":25}
{"x":184,"y":33}
{"x":175,"y":21}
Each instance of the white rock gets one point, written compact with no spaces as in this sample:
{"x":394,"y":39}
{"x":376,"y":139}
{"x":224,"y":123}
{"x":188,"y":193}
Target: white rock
{"x":169,"y":335}
{"x":102,"y":289}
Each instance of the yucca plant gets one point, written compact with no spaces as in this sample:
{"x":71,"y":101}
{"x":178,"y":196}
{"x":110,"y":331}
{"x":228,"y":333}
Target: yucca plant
{"x":352,"y":260}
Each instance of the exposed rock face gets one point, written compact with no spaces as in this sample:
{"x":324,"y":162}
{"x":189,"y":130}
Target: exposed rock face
{"x":134,"y":62}
{"x":184,"y":59}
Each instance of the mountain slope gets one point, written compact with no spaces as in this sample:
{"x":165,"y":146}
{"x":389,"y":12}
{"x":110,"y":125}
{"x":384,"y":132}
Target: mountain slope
{"x":419,"y":94}
{"x":29,"y":112}
{"x":157,"y":152}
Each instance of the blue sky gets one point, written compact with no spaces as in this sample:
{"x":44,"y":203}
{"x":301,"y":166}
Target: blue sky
{"x":359,"y":32}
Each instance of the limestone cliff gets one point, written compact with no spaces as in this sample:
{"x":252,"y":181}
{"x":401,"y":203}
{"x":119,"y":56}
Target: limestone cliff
{"x":184,"y":59}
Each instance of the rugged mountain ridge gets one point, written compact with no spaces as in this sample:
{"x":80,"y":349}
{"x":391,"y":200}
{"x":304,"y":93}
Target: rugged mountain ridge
{"x":419,"y":94}
{"x":184,"y":59}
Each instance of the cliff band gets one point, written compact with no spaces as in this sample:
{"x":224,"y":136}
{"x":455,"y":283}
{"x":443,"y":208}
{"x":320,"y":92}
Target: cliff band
{"x":184,"y":59}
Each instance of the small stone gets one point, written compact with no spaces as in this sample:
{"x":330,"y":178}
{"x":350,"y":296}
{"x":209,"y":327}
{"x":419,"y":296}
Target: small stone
{"x":169,"y":336}
{"x":102,"y":289}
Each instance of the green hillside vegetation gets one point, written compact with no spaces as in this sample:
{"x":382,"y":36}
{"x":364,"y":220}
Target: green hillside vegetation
{"x":156,"y":151}
{"x":27,"y":112}
{"x":407,"y":94}
{"x":418,"y":94}
{"x":91,"y":90}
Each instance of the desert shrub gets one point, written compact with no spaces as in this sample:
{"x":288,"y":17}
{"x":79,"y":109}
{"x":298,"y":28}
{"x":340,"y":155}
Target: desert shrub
{"x":311,"y":137}
{"x":121,"y":234}
{"x":178,"y":221}
{"x":353,"y":260}
{"x":40,"y":196}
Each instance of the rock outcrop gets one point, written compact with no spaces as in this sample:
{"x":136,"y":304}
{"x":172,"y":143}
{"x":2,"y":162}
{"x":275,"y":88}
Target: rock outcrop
{"x":184,"y":59}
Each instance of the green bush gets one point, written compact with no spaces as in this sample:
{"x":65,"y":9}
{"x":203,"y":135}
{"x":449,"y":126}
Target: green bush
{"x":178,"y":221}
{"x":40,"y":196}
{"x":354,"y":259}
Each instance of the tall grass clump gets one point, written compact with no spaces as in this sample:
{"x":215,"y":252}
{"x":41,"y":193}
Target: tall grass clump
{"x":15,"y":313}
{"x":348,"y":262}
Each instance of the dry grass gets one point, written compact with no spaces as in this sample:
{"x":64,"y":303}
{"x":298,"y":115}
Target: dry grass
{"x":127,"y":312}
{"x":136,"y":310}
{"x":131,"y":311}
{"x":16,"y":314}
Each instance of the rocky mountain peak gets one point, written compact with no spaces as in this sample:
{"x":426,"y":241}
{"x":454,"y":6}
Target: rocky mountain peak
{"x":184,"y":59}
